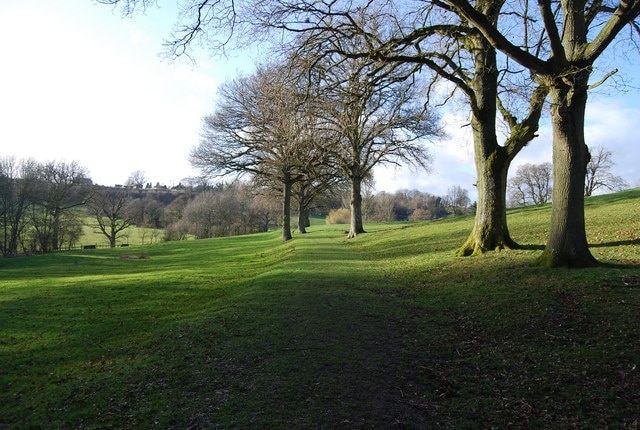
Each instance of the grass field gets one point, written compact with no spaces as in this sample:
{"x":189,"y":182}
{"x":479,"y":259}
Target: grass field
{"x":388,"y":330}
{"x":133,"y":235}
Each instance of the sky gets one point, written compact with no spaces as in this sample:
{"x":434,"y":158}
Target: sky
{"x":80,"y":82}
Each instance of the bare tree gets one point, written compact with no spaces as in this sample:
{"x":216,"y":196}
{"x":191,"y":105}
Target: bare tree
{"x":458,"y":200}
{"x":372,"y":111}
{"x":18,"y":182}
{"x":109,"y":207}
{"x":381,"y":207}
{"x":576,"y":33}
{"x":225,"y":210}
{"x":264,"y":206}
{"x":531,"y":184}
{"x":213,"y":213}
{"x":137,"y":179}
{"x":61,"y":187}
{"x":599,"y":172}
{"x":261,"y":127}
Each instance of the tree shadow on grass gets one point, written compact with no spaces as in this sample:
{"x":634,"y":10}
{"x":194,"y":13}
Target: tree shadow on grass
{"x":531,"y":247}
{"x":615,"y":243}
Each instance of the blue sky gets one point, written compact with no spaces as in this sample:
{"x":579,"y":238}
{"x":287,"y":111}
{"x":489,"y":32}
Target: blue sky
{"x":81,"y":83}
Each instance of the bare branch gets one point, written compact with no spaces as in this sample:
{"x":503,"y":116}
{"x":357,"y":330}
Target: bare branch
{"x":497,"y":39}
{"x":603,"y":80}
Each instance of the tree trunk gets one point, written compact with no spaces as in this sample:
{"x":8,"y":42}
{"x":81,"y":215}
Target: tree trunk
{"x":16,"y":226}
{"x":567,"y":240}
{"x":356,"y":226}
{"x":490,"y":230}
{"x":55,"y":236}
{"x":286,"y":210}
{"x":112,"y":236}
{"x":302,"y":217}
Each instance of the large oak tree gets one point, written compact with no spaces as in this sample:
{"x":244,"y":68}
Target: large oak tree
{"x":577,"y":32}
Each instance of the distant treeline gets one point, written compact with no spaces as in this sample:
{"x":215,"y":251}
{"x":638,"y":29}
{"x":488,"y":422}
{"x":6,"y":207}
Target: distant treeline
{"x":44,"y":207}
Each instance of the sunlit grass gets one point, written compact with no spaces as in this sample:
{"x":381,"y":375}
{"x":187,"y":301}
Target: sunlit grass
{"x":386,"y":330}
{"x":133,"y":235}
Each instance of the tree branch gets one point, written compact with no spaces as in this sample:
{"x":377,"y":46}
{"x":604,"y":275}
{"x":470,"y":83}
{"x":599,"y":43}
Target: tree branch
{"x":497,"y":39}
{"x":555,"y":41}
{"x":625,"y":13}
{"x":604,"y":78}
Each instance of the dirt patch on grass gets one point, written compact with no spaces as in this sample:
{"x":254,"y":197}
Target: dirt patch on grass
{"x":134,"y":256}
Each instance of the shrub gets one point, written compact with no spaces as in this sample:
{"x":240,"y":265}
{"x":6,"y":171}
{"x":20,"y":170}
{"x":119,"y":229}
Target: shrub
{"x":420,"y":214}
{"x":339,"y":216}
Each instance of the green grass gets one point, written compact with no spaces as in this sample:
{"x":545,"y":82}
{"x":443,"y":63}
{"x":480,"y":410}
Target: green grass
{"x":133,"y":235}
{"x":387,"y":330}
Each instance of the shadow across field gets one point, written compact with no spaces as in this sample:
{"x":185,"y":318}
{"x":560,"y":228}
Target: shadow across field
{"x":385,"y":331}
{"x":615,"y":243}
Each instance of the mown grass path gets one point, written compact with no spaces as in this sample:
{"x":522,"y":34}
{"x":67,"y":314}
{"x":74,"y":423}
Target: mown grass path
{"x":385,"y":331}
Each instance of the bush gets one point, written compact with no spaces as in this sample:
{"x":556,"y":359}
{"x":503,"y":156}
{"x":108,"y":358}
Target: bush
{"x":420,"y":214}
{"x":339,"y":216}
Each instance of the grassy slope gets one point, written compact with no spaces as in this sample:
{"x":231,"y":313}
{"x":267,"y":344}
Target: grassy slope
{"x":387,"y":330}
{"x":132,"y":235}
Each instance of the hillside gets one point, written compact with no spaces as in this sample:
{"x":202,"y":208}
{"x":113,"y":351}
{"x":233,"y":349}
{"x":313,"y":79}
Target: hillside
{"x":389,"y":330}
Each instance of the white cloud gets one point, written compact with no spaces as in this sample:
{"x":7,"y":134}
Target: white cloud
{"x":611,"y":123}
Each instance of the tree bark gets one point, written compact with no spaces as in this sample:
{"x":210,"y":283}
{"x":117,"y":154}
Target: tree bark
{"x":302,"y":217}
{"x":492,"y":161}
{"x":356,"y":225}
{"x":490,"y":230}
{"x":112,"y":235}
{"x":286,"y":210}
{"x":567,"y":240}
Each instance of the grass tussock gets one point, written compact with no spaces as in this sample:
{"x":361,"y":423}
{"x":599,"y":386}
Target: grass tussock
{"x":388,"y":330}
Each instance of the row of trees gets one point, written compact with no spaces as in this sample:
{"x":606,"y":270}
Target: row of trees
{"x":241,"y":208}
{"x":224,"y":210}
{"x":504,"y":58}
{"x":304,"y":129}
{"x":44,"y":207}
{"x":29,"y":214}
{"x":415,"y":205}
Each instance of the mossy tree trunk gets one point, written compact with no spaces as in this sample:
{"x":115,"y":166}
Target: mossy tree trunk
{"x":566,"y":67}
{"x":490,"y":230}
{"x":492,"y":161}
